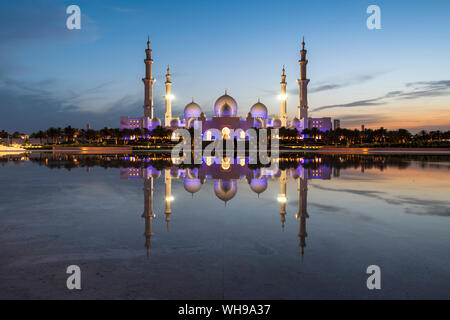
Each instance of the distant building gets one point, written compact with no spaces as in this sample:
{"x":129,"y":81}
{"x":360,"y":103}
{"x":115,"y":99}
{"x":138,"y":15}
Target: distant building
{"x":362,"y":127}
{"x":337,"y":124}
{"x":225,"y":109}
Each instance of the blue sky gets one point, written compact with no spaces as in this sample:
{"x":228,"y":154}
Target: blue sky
{"x":398,"y":76}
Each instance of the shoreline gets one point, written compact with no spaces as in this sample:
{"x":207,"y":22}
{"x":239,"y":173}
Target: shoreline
{"x":324,"y":150}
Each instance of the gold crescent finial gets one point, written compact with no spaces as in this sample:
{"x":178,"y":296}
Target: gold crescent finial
{"x":226,"y":91}
{"x":148,"y":42}
{"x":303,"y":43}
{"x":168,"y":69}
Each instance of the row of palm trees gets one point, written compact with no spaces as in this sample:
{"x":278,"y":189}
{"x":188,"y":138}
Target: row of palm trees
{"x":380,"y":135}
{"x":69,"y":135}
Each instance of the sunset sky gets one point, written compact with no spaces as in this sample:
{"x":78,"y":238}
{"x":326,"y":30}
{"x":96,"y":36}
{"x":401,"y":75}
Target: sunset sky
{"x":396,"y":77}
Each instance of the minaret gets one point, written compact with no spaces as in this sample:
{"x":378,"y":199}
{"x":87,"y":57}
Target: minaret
{"x":168,"y":97}
{"x":282,"y":198}
{"x":168,"y":197}
{"x":148,"y":213}
{"x":302,"y":214}
{"x":302,"y":85}
{"x":283,"y":109}
{"x":148,"y":83}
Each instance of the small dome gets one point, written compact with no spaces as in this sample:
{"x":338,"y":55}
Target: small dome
{"x":258,"y":185}
{"x":276,"y":123}
{"x":175,"y":123}
{"x":192,"y":185}
{"x":258,"y":123}
{"x":225,"y":106}
{"x":192,"y":110}
{"x":294,"y":123}
{"x":155,"y":123}
{"x":294,"y":174}
{"x":174,"y":173}
{"x":259,"y":110}
{"x":225,"y":190}
{"x":154,"y":173}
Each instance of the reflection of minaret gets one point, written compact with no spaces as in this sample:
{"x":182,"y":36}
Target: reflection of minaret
{"x":168,"y":97}
{"x":283,"y":111}
{"x":148,"y":214}
{"x":282,"y":198}
{"x":148,"y":83}
{"x":302,"y":214}
{"x":302,"y":85}
{"x":168,"y":197}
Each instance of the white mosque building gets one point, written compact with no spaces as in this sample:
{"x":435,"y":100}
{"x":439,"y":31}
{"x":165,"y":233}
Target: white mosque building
{"x":225,"y":109}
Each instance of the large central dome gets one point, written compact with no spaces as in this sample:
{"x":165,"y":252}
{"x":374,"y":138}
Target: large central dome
{"x":225,"y":106}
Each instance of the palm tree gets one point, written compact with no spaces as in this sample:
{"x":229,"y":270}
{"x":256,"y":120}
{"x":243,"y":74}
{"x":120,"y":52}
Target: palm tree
{"x":68,"y":133}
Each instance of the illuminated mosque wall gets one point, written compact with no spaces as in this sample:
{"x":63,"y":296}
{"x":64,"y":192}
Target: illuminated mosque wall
{"x":225,"y":109}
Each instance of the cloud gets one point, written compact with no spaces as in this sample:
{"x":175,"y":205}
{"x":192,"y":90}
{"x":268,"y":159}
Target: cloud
{"x":345,"y":83}
{"x":358,"y":103}
{"x":412,"y":205}
{"x":417,"y":90}
{"x":30,"y":106}
{"x":353,"y":120}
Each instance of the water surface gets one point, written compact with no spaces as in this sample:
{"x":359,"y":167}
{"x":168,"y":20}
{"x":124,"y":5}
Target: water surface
{"x":142,"y":228}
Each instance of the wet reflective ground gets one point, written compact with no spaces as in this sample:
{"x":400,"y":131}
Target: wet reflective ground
{"x":140,"y":227}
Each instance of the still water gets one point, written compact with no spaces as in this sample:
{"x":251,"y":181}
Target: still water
{"x":142,"y":228}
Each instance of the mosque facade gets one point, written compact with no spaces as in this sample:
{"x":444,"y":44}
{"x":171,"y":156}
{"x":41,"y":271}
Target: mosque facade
{"x":225,"y":109}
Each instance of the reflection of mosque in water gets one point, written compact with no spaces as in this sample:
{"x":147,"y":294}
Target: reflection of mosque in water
{"x":225,"y":175}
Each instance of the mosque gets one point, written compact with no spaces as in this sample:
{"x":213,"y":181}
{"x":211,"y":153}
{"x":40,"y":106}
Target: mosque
{"x":225,"y":109}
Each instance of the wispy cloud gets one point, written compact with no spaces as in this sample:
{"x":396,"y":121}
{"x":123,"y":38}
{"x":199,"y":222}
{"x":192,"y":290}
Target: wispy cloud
{"x":345,"y":83}
{"x":417,"y":90}
{"x":411,"y":205}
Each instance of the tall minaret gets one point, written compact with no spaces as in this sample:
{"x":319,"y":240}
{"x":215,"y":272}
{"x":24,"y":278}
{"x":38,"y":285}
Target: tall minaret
{"x":283,"y":111}
{"x":168,"y":97}
{"x":148,"y":213}
{"x":168,"y":197}
{"x":148,"y":83}
{"x":302,"y":85}
{"x":302,"y":214}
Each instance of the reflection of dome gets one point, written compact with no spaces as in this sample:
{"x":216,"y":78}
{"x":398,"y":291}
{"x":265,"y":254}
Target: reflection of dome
{"x":294,"y":123}
{"x":155,"y":173}
{"x":258,"y":185}
{"x":295,"y":174}
{"x":225,"y":106}
{"x":155,"y":122}
{"x":175,"y":123}
{"x":192,"y":185}
{"x":258,"y":123}
{"x":174,"y":173}
{"x":192,"y":110}
{"x":225,"y":190}
{"x":258,"y":110}
{"x":276,"y":123}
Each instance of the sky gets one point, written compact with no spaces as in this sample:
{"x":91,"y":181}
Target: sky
{"x":395,"y":77}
